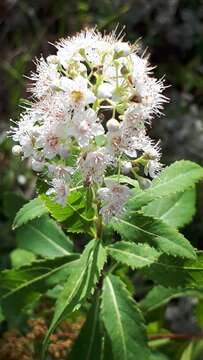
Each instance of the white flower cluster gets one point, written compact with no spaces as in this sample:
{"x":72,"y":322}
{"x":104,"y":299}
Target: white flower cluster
{"x":91,"y":103}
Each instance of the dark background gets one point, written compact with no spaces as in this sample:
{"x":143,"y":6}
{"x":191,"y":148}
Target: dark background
{"x":172,"y":30}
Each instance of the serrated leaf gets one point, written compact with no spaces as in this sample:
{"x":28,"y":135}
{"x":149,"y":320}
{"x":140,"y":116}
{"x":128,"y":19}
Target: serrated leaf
{"x":177,"y":177}
{"x":75,"y":216}
{"x":17,"y":285}
{"x":59,"y":212}
{"x":176,"y":209}
{"x":83,"y":276}
{"x":89,"y":341}
{"x":176,"y":272}
{"x":133,"y":255}
{"x":44,"y":237}
{"x":33,"y":209}
{"x":123,"y":322}
{"x":140,"y":228}
{"x":159,"y":296}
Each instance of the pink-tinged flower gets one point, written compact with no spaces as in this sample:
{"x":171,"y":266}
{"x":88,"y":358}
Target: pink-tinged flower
{"x":60,"y":190}
{"x":113,"y":197}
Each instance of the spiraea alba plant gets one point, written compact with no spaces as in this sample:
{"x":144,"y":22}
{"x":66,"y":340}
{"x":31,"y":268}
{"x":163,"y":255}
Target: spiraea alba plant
{"x":84,"y":131}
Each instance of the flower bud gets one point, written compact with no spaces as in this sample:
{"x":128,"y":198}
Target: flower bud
{"x":122,"y":49}
{"x":37,"y":165}
{"x":125,"y":70}
{"x":21,"y":179}
{"x":113,"y":125}
{"x":16,"y":150}
{"x":127,"y":166}
{"x":105,"y":91}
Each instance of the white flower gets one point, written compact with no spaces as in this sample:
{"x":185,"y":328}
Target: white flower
{"x":46,"y":78}
{"x":85,"y":126}
{"x":105,"y":91}
{"x":78,"y":93}
{"x":147,"y":98}
{"x":113,"y":198}
{"x":94,"y":165}
{"x":60,"y":171}
{"x":119,"y":143}
{"x":153,"y":166}
{"x":60,"y":189}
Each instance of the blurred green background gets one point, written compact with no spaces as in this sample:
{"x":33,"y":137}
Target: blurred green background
{"x":172,"y":30}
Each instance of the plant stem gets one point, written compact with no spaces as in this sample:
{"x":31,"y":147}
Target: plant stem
{"x":174,"y":336}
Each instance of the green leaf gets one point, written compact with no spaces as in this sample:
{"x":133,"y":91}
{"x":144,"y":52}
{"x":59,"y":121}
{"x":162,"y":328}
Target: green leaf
{"x":44,"y":237}
{"x":159,"y":296}
{"x":75,"y":216}
{"x":2,"y":318}
{"x":178,"y":177}
{"x":140,"y":228}
{"x":82,"y":278}
{"x":176,"y":272}
{"x":123,"y":322}
{"x":18,"y":285}
{"x":133,"y":255}
{"x":176,"y":210}
{"x":20,"y":257}
{"x":125,"y":180}
{"x":89,"y":341}
{"x":187,"y":353}
{"x":12,"y":202}
{"x":156,"y":355}
{"x":33,"y":209}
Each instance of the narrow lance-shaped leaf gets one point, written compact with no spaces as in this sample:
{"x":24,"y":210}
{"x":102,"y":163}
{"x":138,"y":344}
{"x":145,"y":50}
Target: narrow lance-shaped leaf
{"x":44,"y":237}
{"x":133,"y":255}
{"x":80,"y":284}
{"x":33,"y":209}
{"x":17,"y":285}
{"x":89,"y":341}
{"x":177,"y":177}
{"x":140,"y":228}
{"x":176,"y":209}
{"x":123,"y":322}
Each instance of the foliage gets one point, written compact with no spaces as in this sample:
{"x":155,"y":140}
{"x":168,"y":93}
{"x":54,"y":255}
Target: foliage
{"x":145,"y":241}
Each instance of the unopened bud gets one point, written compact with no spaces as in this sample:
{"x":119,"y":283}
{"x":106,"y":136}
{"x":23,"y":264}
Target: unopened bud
{"x":16,"y":150}
{"x":124,"y":70}
{"x":113,"y":125}
{"x":37,"y":165}
{"x":122,"y":49}
{"x":127,"y":166}
{"x":105,"y":91}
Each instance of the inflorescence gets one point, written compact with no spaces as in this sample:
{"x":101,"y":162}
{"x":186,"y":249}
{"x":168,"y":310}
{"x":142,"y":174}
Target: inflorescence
{"x":91,"y":103}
